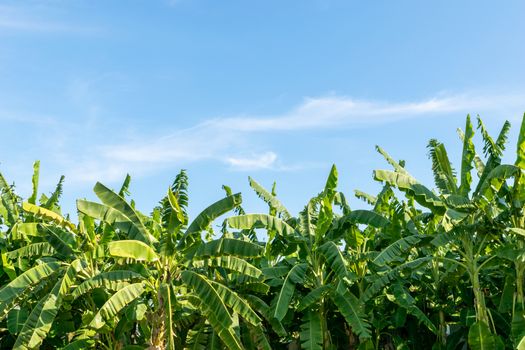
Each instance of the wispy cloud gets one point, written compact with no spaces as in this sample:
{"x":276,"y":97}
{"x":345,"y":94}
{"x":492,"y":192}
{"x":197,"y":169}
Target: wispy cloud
{"x":329,"y":112}
{"x":255,"y":162}
{"x":230,"y":140}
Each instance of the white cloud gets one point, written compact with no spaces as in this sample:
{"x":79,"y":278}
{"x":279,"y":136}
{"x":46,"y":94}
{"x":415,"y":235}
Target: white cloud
{"x":255,"y":162}
{"x":330,"y":112}
{"x":230,"y":140}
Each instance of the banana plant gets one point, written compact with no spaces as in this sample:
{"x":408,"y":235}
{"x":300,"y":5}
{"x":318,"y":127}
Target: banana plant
{"x":306,"y":265}
{"x":122,"y":274}
{"x":40,"y":256}
{"x":388,"y":260}
{"x":512,"y":201}
{"x":470,"y":221}
{"x":440,"y":269}
{"x":185,"y":286}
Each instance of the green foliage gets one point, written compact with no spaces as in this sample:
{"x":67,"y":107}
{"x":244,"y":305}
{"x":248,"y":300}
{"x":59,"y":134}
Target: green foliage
{"x":420,"y":268}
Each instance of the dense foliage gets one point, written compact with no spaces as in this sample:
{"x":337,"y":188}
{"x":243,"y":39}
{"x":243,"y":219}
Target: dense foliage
{"x":418,"y":269}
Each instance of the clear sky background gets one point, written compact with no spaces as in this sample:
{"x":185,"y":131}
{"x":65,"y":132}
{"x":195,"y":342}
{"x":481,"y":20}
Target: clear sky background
{"x":278,"y":90}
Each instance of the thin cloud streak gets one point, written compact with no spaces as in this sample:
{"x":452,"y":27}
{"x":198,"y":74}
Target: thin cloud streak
{"x":330,"y":112}
{"x":221,"y":139}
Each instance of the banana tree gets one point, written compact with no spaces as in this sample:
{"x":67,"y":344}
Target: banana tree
{"x":304,"y":263}
{"x":470,"y":222}
{"x":389,"y":261}
{"x":40,"y":256}
{"x":185,"y":281}
{"x":512,"y":201}
{"x":118,"y":273}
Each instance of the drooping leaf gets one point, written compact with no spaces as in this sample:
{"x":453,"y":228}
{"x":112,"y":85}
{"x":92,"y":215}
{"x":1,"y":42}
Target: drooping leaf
{"x":24,"y":340}
{"x":459,"y":202}
{"x":110,"y":280}
{"x":236,"y":303}
{"x":136,"y":250}
{"x":229,"y":246}
{"x":421,"y":194}
{"x":62,"y":241}
{"x":352,"y":310}
{"x":368,"y":198}
{"x":366,"y":217}
{"x":313,"y":297}
{"x":397,"y":167}
{"x":341,"y":202}
{"x":116,"y":303}
{"x":311,"y":333}
{"x":17,"y":287}
{"x":231,"y":263}
{"x":213,"y":307}
{"x":113,"y":200}
{"x":249,"y":221}
{"x":41,"y":318}
{"x":396,"y":249}
{"x":209,"y":297}
{"x":334,"y":259}
{"x":206,"y":217}
{"x":25,"y":229}
{"x":48,"y":215}
{"x":112,"y":217}
{"x":32,"y":250}
{"x":294,"y":276}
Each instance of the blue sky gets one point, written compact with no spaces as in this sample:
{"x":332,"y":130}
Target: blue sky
{"x":278,"y":90}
